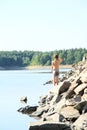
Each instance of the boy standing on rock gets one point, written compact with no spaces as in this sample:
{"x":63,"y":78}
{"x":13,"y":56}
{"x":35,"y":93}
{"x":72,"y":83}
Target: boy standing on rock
{"x":55,"y":69}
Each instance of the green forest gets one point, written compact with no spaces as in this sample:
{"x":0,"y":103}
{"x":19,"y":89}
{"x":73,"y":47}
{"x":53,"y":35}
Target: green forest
{"x":31,"y":58}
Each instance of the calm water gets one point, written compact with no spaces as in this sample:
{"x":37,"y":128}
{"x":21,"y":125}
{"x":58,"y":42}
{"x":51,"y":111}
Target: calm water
{"x":13,"y":86}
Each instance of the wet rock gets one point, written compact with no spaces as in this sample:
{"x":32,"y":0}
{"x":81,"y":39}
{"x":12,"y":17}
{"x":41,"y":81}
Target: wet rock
{"x":48,"y":82}
{"x":27,"y":110}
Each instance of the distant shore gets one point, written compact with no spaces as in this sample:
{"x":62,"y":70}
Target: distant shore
{"x":33,"y":67}
{"x":48,"y":67}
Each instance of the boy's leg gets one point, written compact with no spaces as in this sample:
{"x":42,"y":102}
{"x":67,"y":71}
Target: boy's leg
{"x":56,"y":79}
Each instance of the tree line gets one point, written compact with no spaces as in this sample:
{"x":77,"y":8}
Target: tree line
{"x":31,"y":58}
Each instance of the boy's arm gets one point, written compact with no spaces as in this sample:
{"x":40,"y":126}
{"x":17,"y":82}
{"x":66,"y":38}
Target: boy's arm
{"x":52,"y":67}
{"x":60,"y":59}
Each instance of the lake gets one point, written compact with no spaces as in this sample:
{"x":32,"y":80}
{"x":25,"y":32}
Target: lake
{"x":13,"y":86}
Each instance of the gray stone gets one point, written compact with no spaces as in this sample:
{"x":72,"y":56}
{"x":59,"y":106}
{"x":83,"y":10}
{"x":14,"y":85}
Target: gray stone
{"x":27,"y":110}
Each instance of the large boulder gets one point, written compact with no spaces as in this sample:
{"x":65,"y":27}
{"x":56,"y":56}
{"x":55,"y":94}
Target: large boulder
{"x":70,"y":113}
{"x":49,"y":126}
{"x":27,"y":110}
{"x":80,"y":88}
{"x":64,"y":87}
{"x":81,"y":106}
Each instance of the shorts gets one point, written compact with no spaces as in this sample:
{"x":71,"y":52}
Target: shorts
{"x":55,"y":72}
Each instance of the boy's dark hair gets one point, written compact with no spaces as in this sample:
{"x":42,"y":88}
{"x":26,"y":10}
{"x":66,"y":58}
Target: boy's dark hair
{"x":56,"y":56}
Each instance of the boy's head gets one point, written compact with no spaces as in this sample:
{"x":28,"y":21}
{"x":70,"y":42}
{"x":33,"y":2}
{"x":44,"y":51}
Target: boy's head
{"x":56,"y":56}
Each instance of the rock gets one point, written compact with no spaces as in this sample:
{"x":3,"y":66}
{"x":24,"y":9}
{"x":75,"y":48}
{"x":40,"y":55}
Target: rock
{"x":81,"y":106}
{"x":52,"y":117}
{"x":80,"y":123}
{"x":73,"y":101}
{"x":84,"y":96}
{"x":43,"y":100}
{"x":80,"y":88}
{"x":60,"y":105}
{"x":27,"y":110}
{"x":49,"y":126}
{"x":85,"y":91}
{"x":64,"y":87}
{"x":50,"y":97}
{"x":23,"y":99}
{"x":69,"y":112}
{"x":70,"y":91}
{"x":40,"y":111}
{"x":48,"y":82}
{"x":55,"y":89}
{"x":73,"y":85}
{"x":55,"y":99}
{"x":84,"y":79}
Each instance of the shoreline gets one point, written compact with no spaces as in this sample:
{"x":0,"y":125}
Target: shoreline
{"x":34,"y":67}
{"x":48,"y":67}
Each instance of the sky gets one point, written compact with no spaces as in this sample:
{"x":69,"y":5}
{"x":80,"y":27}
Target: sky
{"x":43,"y":25}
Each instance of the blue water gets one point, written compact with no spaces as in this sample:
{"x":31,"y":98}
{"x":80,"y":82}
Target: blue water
{"x":13,"y":86}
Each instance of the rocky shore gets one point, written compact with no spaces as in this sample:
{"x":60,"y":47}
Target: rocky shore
{"x":64,"y":107}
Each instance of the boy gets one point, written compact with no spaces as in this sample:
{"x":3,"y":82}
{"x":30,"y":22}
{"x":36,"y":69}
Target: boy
{"x":55,"y":69}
